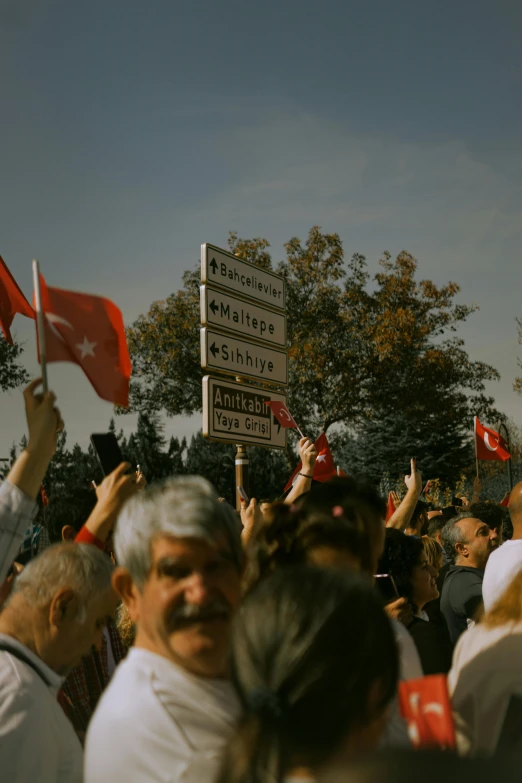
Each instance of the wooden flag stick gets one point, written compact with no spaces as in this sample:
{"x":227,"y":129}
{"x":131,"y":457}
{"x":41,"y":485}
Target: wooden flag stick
{"x":40,"y":328}
{"x":476,"y":450}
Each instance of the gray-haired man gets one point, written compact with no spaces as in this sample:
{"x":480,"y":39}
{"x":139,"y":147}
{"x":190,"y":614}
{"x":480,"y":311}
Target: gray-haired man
{"x":169,"y":709}
{"x":55,"y":614}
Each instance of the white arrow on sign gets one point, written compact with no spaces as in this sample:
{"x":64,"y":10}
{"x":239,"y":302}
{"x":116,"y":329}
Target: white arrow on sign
{"x":242,"y":317}
{"x":224,"y":270}
{"x":233,"y":356}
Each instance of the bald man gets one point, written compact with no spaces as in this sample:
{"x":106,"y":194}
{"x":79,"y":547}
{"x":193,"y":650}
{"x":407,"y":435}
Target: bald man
{"x":506,"y":561}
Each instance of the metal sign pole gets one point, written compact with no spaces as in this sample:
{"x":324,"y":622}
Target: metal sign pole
{"x":241,"y":474}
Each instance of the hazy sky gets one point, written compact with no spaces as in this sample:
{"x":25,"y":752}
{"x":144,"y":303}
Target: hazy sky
{"x":134,"y":130}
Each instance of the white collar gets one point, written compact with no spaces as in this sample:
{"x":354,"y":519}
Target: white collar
{"x":54,"y":680}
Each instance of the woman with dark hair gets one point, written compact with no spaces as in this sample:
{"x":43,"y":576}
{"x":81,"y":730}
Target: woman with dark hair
{"x":314,"y":664}
{"x":416,"y":580}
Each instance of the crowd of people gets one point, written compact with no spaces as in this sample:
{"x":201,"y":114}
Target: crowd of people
{"x":170,"y":638}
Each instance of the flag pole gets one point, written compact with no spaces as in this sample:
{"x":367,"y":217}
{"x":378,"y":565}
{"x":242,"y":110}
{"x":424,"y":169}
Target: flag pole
{"x":40,"y":327}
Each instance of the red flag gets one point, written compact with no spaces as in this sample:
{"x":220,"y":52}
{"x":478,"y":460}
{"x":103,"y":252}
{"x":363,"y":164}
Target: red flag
{"x":324,"y":465}
{"x":505,"y":500}
{"x":12,"y":301}
{"x":45,"y":499}
{"x":89,"y":331}
{"x":489,"y":444}
{"x":390,"y":508}
{"x":282,"y":414}
{"x":426,"y":707}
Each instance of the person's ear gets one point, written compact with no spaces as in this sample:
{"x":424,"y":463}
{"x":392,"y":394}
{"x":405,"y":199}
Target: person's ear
{"x":64,"y":607}
{"x":68,"y":533}
{"x":462,"y":549}
{"x":124,"y":585}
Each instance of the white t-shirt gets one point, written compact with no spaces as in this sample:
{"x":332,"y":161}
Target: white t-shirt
{"x":157,"y":722}
{"x":485,"y":675}
{"x":37,"y":741}
{"x":503,"y":565}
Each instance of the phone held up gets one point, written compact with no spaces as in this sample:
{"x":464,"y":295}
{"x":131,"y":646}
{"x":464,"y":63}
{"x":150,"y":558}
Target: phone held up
{"x":107,"y":450}
{"x":243,"y":495}
{"x":386,"y":586}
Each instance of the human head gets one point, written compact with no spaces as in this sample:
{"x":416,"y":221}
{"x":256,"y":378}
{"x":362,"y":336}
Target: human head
{"x":435,"y":525}
{"x":433,"y":552}
{"x":405,"y":559}
{"x":65,"y":598}
{"x":466,"y":541}
{"x":314,"y":663}
{"x":180,"y":562}
{"x":65,"y":516}
{"x":419,"y":520}
{"x":492,"y":514}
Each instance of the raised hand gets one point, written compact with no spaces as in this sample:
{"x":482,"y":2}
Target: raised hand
{"x":308,"y":454}
{"x":44,"y":420}
{"x":414,"y":480}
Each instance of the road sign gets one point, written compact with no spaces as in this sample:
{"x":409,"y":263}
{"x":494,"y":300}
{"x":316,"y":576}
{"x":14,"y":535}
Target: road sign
{"x":233,"y":356}
{"x":231,"y":273}
{"x":236,"y":413}
{"x":242,"y":317}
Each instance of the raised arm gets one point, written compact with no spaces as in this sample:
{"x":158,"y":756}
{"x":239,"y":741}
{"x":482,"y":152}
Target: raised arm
{"x":303,"y":482}
{"x":400,"y":519}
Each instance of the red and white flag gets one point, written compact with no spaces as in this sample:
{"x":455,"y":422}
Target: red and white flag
{"x":489,"y":444}
{"x":282,"y":414}
{"x":44,"y":496}
{"x":89,"y":331}
{"x":12,"y":301}
{"x":324,"y":468}
{"x":390,"y":506}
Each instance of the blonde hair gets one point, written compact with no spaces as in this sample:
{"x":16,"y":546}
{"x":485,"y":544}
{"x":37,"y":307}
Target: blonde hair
{"x":433,"y":551}
{"x":508,"y":608}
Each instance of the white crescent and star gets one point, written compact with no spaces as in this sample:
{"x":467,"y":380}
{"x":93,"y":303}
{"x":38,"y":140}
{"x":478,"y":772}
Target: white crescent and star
{"x":284,"y":413}
{"x":488,"y":444}
{"x":86,"y":348}
{"x":321,"y":458}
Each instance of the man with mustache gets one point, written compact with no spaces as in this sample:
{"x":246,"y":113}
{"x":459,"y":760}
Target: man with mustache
{"x":169,"y":709}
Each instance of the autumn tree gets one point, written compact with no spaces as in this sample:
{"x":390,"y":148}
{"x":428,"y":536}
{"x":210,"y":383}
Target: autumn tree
{"x":361,"y":349}
{"x":518,"y":381}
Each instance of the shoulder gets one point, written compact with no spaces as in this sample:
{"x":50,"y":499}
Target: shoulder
{"x":410,"y":665}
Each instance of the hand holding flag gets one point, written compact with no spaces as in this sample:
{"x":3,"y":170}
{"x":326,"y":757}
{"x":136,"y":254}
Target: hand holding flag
{"x":324,"y":467}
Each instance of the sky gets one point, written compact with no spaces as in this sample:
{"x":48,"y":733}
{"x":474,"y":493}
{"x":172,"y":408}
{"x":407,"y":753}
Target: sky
{"x":134,"y":131}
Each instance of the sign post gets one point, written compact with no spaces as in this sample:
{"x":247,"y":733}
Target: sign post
{"x":243,"y":335}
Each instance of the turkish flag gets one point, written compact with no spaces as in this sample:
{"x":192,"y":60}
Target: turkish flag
{"x":12,"y":301}
{"x":45,"y":499}
{"x":89,"y":331}
{"x":390,"y":507}
{"x":324,"y":465}
{"x":282,"y":414}
{"x":489,"y":444}
{"x":426,"y":708}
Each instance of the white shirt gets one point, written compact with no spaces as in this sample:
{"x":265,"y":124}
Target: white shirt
{"x":486,"y":673}
{"x":158,"y":723}
{"x":16,"y":515}
{"x":37,"y":741}
{"x":503,"y":565}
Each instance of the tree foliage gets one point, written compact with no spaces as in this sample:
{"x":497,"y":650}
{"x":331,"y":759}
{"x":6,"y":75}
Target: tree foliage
{"x":363,"y":350}
{"x":12,"y":374}
{"x":518,"y":381}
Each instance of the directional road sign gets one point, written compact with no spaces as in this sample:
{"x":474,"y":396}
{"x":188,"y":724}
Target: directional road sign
{"x":236,"y":413}
{"x":231,"y":273}
{"x":233,"y":356}
{"x":242,"y":317}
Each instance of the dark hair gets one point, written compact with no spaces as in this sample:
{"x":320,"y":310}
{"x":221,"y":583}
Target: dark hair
{"x":435,"y":525}
{"x":488,"y":512}
{"x":401,"y":555}
{"x":342,"y":514}
{"x":507,"y":527}
{"x":449,"y":512}
{"x":309,"y":647}
{"x":72,"y":510}
{"x":420,"y":509}
{"x":452,"y":534}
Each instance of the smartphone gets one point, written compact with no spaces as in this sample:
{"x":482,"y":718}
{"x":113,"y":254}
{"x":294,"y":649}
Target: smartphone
{"x":243,"y":495}
{"x":385,"y":584}
{"x":455,"y":501}
{"x":107,"y":450}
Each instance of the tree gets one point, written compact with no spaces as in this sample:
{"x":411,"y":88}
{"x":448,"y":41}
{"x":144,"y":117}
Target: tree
{"x":146,"y":448}
{"x":360,"y":350}
{"x":12,"y":374}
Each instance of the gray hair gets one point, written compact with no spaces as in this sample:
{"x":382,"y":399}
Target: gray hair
{"x":186,"y":507}
{"x":452,"y":535}
{"x":79,"y":567}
